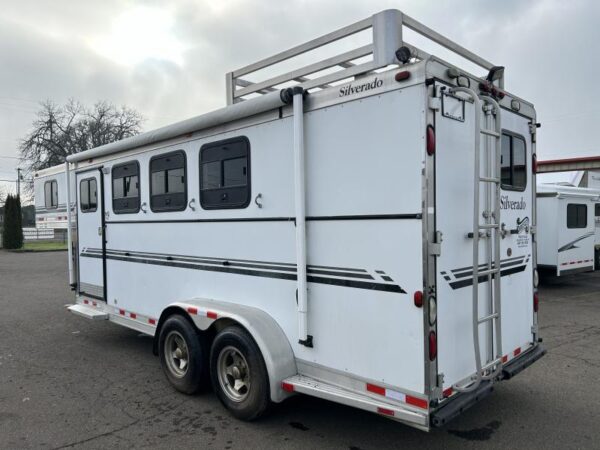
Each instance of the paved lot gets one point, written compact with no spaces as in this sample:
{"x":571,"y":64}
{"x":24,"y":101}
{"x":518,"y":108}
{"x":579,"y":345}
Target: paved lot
{"x":70,"y":383}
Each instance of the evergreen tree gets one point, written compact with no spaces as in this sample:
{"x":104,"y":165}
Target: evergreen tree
{"x":12,"y":233}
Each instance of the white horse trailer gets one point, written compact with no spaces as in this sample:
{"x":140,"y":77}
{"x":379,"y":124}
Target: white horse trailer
{"x":49,"y":187}
{"x":567,"y":228}
{"x":319,"y":239}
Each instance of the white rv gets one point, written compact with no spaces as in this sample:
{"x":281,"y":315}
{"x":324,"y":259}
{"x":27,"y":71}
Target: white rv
{"x":347,"y":237}
{"x":49,"y":186}
{"x":567,"y":228}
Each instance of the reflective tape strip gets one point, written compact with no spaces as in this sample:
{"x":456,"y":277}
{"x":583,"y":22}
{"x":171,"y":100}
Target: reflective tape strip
{"x":398,"y":396}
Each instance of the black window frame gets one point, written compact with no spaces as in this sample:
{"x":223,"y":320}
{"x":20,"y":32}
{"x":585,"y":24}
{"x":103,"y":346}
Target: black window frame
{"x":180,"y":206}
{"x":122,"y":205}
{"x":89,"y":210}
{"x":52,"y":190}
{"x":244,"y":191}
{"x":512,"y":187}
{"x":585,"y":215}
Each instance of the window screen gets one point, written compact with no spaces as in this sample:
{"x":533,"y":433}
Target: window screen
{"x":126,"y":188}
{"x":225,"y":174}
{"x":51,"y":194}
{"x":88,"y":195}
{"x":513,"y":165}
{"x":168,"y":190}
{"x":576,"y":215}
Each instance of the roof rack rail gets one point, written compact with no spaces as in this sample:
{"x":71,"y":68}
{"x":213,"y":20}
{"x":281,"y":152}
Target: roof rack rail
{"x":387,"y":38}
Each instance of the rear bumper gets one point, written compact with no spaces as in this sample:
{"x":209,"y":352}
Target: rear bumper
{"x":461,"y":402}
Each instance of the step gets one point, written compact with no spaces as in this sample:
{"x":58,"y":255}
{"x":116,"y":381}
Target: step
{"x":320,"y":389}
{"x":88,"y":312}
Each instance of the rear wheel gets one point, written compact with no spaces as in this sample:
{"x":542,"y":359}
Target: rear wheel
{"x":183,"y":355}
{"x":238,"y":374}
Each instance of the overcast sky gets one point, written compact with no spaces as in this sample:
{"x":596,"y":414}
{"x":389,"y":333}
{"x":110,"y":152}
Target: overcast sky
{"x":167,"y":59}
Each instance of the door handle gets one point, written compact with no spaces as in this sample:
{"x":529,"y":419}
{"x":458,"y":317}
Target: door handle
{"x":99,"y":231}
{"x":191,"y":204}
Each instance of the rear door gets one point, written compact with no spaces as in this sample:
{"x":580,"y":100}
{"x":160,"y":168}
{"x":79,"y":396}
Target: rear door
{"x":91,"y":234}
{"x":454,"y":208}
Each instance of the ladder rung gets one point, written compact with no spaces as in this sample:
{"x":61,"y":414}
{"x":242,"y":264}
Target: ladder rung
{"x":488,"y":226}
{"x":490,"y":133}
{"x":491,"y":364}
{"x":490,"y":317}
{"x":489,"y":179}
{"x":488,"y":272}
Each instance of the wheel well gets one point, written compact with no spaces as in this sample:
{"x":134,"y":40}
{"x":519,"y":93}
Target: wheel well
{"x":210,"y":332}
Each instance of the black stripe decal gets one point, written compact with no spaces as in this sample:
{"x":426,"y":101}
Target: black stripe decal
{"x":514,"y":258}
{"x":210,"y":260}
{"x":484,"y":267}
{"x":416,"y":216}
{"x":240,"y":271}
{"x":483,"y":278}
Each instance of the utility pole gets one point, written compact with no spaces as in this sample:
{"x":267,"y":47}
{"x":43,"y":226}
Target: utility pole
{"x":19,"y":182}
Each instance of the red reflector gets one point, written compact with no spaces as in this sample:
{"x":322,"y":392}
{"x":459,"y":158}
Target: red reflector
{"x":418,"y":299}
{"x":517,"y":351}
{"x":416,"y":402}
{"x":534,"y":163}
{"x":192,"y":310}
{"x":430,"y":140}
{"x":536,"y":302}
{"x":505,"y":358}
{"x":287,"y":387}
{"x":385,"y":411}
{"x":85,"y":302}
{"x":448,"y":392}
{"x":401,"y":76}
{"x":375,"y":389}
{"x":432,"y":345}
{"x":211,"y":315}
{"x":152,"y":321}
{"x":94,"y":303}
{"x":133,"y":315}
{"x":122,"y":312}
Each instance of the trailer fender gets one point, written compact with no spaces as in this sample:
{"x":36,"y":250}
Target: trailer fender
{"x":268,"y":335}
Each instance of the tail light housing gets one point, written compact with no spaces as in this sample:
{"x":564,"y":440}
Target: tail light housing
{"x":430,"y":140}
{"x":536,"y":302}
{"x":418,"y":298}
{"x":432,"y":345}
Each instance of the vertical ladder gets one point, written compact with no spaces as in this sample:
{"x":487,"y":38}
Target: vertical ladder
{"x":489,"y":230}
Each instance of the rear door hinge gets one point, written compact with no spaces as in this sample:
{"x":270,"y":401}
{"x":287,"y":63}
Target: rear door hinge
{"x":435,"y":103}
{"x":435,"y":247}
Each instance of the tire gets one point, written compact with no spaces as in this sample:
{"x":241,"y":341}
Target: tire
{"x":235,"y":357}
{"x":183,"y":355}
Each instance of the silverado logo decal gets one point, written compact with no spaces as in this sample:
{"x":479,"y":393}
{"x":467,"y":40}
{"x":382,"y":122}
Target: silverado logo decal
{"x":350,"y":89}
{"x":522,"y":225}
{"x":506,"y":203}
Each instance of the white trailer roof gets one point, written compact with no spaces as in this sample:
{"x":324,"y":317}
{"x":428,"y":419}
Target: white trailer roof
{"x":562,"y":191}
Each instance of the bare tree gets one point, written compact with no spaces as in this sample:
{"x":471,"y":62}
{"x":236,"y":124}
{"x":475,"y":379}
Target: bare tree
{"x":59,"y":131}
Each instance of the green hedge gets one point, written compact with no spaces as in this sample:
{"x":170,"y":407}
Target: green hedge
{"x":12,"y":231}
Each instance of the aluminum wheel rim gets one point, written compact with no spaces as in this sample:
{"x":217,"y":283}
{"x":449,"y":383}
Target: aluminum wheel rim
{"x":177,"y":354}
{"x":234,"y":374}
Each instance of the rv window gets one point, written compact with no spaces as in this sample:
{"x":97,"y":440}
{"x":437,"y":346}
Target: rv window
{"x":168,"y":190}
{"x":597,"y":210}
{"x":225,"y":174}
{"x":88,"y":195}
{"x":576,"y":215}
{"x":51,"y":194}
{"x":513,"y":163}
{"x":126,"y":188}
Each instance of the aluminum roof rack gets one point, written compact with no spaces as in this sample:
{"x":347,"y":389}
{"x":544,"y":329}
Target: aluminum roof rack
{"x":387,"y":38}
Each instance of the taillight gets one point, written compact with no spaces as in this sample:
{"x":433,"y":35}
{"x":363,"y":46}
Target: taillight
{"x":401,"y":76}
{"x":432,"y":345}
{"x":536,"y":302}
{"x":430,"y":140}
{"x":418,"y":298}
{"x":534,"y":163}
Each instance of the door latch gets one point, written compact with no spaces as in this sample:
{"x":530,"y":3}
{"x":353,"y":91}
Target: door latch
{"x":435,"y":247}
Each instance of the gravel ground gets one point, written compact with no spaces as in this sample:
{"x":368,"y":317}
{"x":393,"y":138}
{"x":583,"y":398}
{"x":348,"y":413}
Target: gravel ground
{"x":70,"y":383}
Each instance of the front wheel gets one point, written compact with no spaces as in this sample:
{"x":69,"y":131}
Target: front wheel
{"x":238,"y":374}
{"x":183,"y":355}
